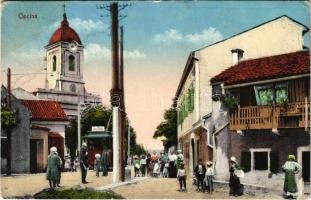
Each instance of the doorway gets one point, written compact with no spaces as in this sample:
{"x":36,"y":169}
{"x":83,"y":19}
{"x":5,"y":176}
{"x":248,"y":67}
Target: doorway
{"x":306,"y":166}
{"x":33,"y":156}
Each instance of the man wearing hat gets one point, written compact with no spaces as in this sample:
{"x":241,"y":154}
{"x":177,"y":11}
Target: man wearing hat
{"x":83,"y":162}
{"x":209,"y":176}
{"x":291,"y":167}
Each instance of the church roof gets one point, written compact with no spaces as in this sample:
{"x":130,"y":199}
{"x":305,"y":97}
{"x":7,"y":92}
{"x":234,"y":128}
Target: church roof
{"x":65,"y":33}
{"x":45,"y":110}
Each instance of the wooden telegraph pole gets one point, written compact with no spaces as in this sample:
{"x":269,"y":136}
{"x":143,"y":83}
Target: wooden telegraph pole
{"x":9,"y":130}
{"x":122,"y":114}
{"x":115,"y":93}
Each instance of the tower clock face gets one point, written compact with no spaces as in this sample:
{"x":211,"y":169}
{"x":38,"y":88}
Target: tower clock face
{"x":73,"y":88}
{"x":73,"y":47}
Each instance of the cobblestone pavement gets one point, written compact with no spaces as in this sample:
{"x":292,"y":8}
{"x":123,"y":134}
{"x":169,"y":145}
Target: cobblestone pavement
{"x":151,"y":188}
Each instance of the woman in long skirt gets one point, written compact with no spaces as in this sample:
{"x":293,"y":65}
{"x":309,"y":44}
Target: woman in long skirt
{"x":234,"y":181}
{"x":291,"y":167}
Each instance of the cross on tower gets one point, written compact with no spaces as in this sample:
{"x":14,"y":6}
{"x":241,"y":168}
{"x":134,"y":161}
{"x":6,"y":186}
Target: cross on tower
{"x":64,"y":6}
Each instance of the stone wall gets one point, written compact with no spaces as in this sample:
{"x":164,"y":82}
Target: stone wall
{"x":20,"y":137}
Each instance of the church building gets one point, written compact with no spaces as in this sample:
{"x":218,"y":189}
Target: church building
{"x":64,"y":79}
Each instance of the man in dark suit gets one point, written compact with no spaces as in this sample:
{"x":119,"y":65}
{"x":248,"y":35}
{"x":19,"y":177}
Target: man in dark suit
{"x":83,"y":162}
{"x":199,"y":172}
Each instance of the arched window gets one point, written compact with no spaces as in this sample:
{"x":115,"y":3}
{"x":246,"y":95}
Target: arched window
{"x":54,"y":63}
{"x":71,"y":63}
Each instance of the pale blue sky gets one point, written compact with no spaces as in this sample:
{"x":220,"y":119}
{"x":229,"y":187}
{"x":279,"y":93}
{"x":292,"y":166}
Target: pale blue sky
{"x":158,"y":38}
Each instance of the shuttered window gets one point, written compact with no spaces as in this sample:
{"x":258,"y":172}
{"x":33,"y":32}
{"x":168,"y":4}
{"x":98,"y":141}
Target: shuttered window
{"x":246,"y":161}
{"x":274,"y":162}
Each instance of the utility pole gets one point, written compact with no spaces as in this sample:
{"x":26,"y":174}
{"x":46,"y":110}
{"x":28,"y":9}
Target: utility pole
{"x":79,"y":125}
{"x":115,"y":92}
{"x":9,"y":129}
{"x":122,"y":116}
{"x":129,"y":140}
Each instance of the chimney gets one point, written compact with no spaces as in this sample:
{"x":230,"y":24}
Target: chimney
{"x":237,"y":55}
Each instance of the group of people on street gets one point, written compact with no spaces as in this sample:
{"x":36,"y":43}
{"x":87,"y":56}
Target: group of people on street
{"x":54,"y":165}
{"x":102,"y":163}
{"x":155,"y":165}
{"x":172,"y":166}
{"x":204,"y":175}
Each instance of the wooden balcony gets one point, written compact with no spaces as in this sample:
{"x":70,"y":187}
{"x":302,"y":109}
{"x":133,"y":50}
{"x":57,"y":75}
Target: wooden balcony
{"x":295,"y":115}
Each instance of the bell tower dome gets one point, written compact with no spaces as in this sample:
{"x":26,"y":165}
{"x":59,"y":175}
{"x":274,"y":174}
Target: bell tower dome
{"x":64,"y":54}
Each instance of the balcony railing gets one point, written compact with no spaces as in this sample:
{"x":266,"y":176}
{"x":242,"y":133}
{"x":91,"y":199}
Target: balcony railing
{"x":294,"y":115}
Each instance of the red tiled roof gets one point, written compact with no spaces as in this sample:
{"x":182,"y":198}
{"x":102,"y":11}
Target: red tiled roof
{"x":266,"y":68}
{"x":55,"y":135}
{"x":64,"y":33}
{"x":45,"y":110}
{"x":34,"y":126}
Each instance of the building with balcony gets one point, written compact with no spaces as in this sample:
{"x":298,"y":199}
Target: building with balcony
{"x":266,"y":101}
{"x":199,"y":119}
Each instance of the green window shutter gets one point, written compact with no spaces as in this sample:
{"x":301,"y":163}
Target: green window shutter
{"x":189,"y":100}
{"x":274,"y":162}
{"x":246,"y":161}
{"x":192,"y":98}
{"x":186,"y":106}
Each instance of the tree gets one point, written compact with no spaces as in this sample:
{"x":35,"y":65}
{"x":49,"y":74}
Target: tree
{"x":98,"y":116}
{"x":168,"y":128}
{"x":71,"y":137}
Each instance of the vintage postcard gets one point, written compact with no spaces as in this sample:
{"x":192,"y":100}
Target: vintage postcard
{"x":155,"y":99}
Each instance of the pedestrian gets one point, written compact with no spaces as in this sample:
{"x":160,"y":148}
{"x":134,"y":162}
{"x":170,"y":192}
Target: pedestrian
{"x":180,"y":158}
{"x":136,"y":166}
{"x":172,"y":165}
{"x":148,"y":164}
{"x":105,"y":162}
{"x":209,"y":176}
{"x":97,"y":163}
{"x":72,"y":165}
{"x":52,"y":174}
{"x":154,"y":157}
{"x":291,"y":167}
{"x":156,"y":169}
{"x":165,"y":170}
{"x":83,"y":162}
{"x":236,"y":189}
{"x":181,"y":176}
{"x":199,"y":172}
{"x":76,"y":164}
{"x":129,"y":160}
{"x":143,"y":165}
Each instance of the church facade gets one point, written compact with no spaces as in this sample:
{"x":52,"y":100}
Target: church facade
{"x":64,"y":79}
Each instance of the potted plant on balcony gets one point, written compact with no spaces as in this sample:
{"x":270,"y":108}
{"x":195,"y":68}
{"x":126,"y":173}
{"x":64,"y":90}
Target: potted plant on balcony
{"x":231,"y":102}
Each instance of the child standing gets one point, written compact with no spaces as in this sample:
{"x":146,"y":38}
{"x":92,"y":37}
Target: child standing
{"x":181,"y":176}
{"x":165,"y":170}
{"x":156,"y":169}
{"x":136,"y":166}
{"x":209,"y":175}
{"x":97,"y":164}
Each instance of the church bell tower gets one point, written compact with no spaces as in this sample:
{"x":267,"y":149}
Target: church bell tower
{"x":64,"y":55}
